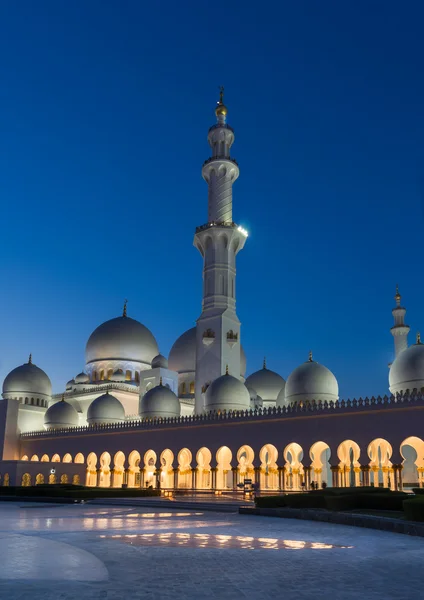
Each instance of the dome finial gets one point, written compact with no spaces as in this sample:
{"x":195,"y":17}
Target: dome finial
{"x":221,"y":110}
{"x":226,"y":369}
{"x":418,"y":338}
{"x":124,"y":312}
{"x":264,"y":365}
{"x":30,"y":359}
{"x":310,"y":356}
{"x":397,"y":295}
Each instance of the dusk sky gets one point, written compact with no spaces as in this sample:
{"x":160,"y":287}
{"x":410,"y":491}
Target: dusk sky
{"x":104,"y":113}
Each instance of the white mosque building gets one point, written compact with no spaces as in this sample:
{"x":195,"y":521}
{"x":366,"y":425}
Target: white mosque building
{"x":194,"y":421}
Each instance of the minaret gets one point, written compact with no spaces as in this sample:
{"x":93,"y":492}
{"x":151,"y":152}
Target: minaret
{"x":399,"y":330}
{"x":218,"y":241}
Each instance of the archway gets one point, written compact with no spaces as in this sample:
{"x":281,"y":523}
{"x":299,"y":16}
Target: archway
{"x":293,"y":455}
{"x":118,"y":469}
{"x":184,"y":469}
{"x":134,"y":479}
{"x":150,"y":459}
{"x":412,"y":450}
{"x":380,"y":452}
{"x":45,"y":458}
{"x":223,"y":471}
{"x":166,"y":469}
{"x":64,"y":478}
{"x":55,"y":458}
{"x":105,"y":460}
{"x":203,"y":458}
{"x":67,"y":458}
{"x":79,"y":458}
{"x":91,"y":477}
{"x":39,"y":479}
{"x":245,"y":468}
{"x":320,"y":454}
{"x":348,"y":454}
{"x":268,"y":479}
{"x":34,"y":458}
{"x":52,"y":478}
{"x":26,"y":480}
{"x":76,"y":480}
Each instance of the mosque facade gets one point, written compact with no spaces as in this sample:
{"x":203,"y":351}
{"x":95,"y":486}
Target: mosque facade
{"x":193,"y":420}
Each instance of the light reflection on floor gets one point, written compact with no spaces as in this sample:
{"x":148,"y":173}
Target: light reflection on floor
{"x":204,"y":540}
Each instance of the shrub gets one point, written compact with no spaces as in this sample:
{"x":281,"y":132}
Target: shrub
{"x":305,"y":500}
{"x":414,"y":509}
{"x":418,"y":491}
{"x":386,"y":501}
{"x":342,"y":501}
{"x":270,"y":501}
{"x":338,"y":491}
{"x":76,"y":492}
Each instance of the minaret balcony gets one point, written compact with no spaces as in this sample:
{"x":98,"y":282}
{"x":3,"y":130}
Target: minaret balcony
{"x":208,"y":337}
{"x":222,"y":126}
{"x":212,"y":158}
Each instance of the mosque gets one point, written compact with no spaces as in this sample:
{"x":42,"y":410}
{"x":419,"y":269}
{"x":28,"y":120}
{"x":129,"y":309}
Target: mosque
{"x":193,"y":421}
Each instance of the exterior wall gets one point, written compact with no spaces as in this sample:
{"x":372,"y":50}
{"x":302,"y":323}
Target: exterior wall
{"x":394,"y":422}
{"x":16,"y":469}
{"x":30,"y":418}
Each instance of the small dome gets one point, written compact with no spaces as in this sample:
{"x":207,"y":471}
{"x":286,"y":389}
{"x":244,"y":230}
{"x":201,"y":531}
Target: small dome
{"x":255,"y":400}
{"x":281,"y":398}
{"x":160,"y":401}
{"x":82,"y":378}
{"x":159,"y":362}
{"x":227,"y":393}
{"x":407,"y":370}
{"x":182,"y":357}
{"x":118,"y":376}
{"x":311,"y":381}
{"x":28,"y":379}
{"x":104,"y":410}
{"x":266,"y":383}
{"x":60,"y":416}
{"x":123,"y":339}
{"x":70,"y":384}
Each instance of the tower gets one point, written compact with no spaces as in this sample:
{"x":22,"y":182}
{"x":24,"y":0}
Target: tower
{"x":218,"y":241}
{"x":399,"y":330}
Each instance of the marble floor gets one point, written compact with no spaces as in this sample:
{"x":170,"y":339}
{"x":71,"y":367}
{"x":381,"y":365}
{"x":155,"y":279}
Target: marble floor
{"x":64,"y":552}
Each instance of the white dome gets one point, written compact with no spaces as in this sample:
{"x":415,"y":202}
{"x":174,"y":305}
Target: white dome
{"x":311,"y":381}
{"x":160,"y":401}
{"x":118,"y":376}
{"x":159,"y":361}
{"x":70,"y":384}
{"x":60,"y":416}
{"x":182,"y":357}
{"x":407,"y":370}
{"x":227,"y":393}
{"x":266,"y":383}
{"x":82,"y":378}
{"x":281,"y":398}
{"x":104,"y":410}
{"x":121,"y":338}
{"x":27,"y":380}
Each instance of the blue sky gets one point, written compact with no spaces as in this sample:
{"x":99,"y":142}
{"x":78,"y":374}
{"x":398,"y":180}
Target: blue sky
{"x":104,"y":111}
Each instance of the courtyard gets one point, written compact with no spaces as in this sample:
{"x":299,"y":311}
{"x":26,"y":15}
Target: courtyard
{"x":90,"y":551}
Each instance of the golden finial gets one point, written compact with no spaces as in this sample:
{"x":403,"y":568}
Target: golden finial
{"x":30,"y":359}
{"x":160,"y":381}
{"x":310,"y":356}
{"x":226,"y":369}
{"x":221,"y":109}
{"x":418,"y":338}
{"x":124,"y":312}
{"x":264,"y":365}
{"x":397,"y":295}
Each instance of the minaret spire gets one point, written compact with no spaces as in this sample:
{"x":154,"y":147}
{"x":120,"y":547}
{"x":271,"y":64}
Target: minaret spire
{"x":124,"y":311}
{"x":30,"y":359}
{"x":219,"y":240}
{"x":399,"y":330}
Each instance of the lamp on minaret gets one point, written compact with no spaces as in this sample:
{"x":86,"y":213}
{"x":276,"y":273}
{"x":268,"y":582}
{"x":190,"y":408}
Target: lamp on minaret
{"x":218,"y":241}
{"x":399,"y":330}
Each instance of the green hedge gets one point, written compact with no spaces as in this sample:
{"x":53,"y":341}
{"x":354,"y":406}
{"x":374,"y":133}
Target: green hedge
{"x":341,"y":491}
{"x":270,"y":501}
{"x":305,"y":500}
{"x":385,"y":501}
{"x":75,"y":492}
{"x":414,"y":509}
{"x":418,"y":491}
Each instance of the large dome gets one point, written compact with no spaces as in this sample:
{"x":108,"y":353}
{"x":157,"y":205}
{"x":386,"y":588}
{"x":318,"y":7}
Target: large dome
{"x":182,"y":357}
{"x":160,"y":401}
{"x":27,"y":380}
{"x":407,"y":370}
{"x":227,"y":393}
{"x":60,"y":416}
{"x":104,"y":410}
{"x":266,"y":383}
{"x":121,"y":338}
{"x":311,"y":381}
